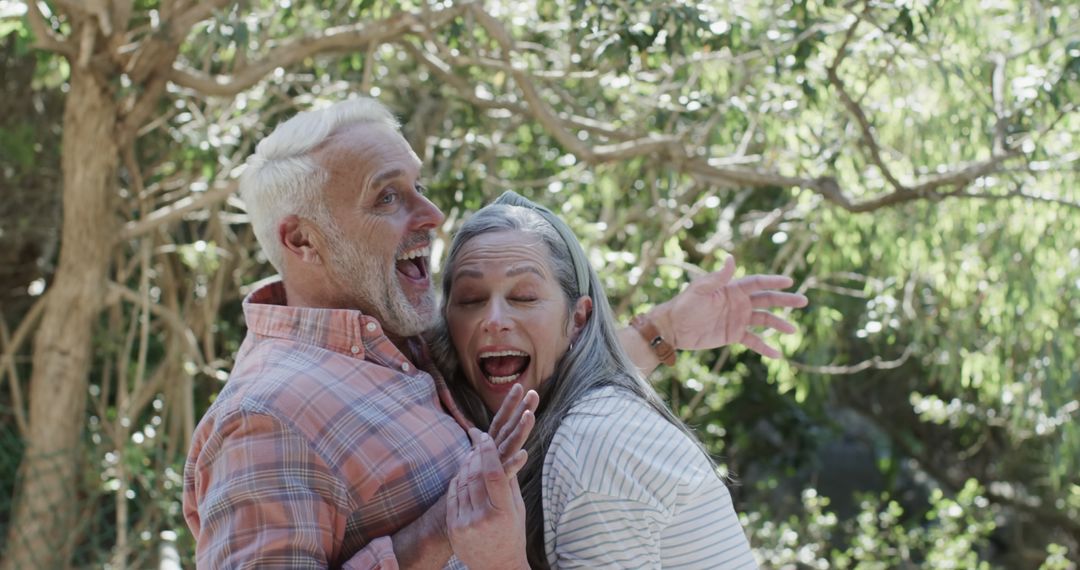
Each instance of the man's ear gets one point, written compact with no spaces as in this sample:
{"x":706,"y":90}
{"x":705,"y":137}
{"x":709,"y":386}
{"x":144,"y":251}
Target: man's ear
{"x":300,"y":239}
{"x":582,"y":314}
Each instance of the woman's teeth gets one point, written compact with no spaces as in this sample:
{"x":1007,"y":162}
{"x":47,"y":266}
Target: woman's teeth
{"x":502,"y":353}
{"x":502,"y":379}
{"x":503,"y":366}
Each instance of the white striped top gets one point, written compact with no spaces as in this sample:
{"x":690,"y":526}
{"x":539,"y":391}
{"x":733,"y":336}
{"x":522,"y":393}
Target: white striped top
{"x":623,"y":488}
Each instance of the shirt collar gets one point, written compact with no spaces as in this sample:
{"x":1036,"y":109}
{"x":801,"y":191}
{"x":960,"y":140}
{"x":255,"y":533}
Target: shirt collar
{"x":346,"y":331}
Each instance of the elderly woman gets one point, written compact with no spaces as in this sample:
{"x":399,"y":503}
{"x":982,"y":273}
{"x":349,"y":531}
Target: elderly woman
{"x":613,"y":478}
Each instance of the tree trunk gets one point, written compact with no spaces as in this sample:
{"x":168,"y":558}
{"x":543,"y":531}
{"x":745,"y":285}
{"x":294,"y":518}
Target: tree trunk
{"x":46,"y":506}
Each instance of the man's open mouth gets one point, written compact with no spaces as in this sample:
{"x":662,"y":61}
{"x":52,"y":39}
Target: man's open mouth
{"x":503,"y":366}
{"x":414,"y":264}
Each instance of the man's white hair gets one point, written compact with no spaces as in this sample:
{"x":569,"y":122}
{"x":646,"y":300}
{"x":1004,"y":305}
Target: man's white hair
{"x":282,"y":179}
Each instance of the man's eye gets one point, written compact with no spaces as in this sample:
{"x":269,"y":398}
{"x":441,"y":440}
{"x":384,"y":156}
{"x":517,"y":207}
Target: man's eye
{"x":421,"y":189}
{"x":388,"y":198}
{"x":523,"y":299}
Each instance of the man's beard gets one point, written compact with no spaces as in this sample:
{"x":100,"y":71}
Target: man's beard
{"x":372,"y":285}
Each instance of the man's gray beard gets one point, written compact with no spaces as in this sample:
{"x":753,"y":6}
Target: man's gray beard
{"x":369,"y":281}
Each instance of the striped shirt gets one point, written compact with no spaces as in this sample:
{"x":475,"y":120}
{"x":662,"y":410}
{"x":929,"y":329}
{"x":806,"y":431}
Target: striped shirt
{"x":623,"y":488}
{"x":325,"y":441}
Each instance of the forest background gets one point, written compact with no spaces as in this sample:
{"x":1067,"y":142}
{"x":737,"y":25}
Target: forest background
{"x":912,"y":164}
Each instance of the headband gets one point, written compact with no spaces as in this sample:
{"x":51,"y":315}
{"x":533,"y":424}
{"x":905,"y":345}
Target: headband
{"x":577,"y":254}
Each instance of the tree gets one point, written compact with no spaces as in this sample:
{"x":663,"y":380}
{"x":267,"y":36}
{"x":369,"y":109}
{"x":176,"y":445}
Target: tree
{"x":832,"y":139}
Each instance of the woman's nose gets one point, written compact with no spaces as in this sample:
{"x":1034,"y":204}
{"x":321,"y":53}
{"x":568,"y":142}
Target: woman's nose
{"x":495,"y":320}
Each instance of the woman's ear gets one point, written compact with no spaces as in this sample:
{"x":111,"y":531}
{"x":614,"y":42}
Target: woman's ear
{"x":582,"y":314}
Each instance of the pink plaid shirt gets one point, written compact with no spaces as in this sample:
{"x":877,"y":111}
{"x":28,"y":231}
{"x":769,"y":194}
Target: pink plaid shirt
{"x":324,"y":442}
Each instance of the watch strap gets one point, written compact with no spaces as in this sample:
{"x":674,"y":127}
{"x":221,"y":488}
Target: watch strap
{"x":660,"y":345}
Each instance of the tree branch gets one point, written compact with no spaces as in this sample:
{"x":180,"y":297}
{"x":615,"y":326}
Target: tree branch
{"x":171,"y":319}
{"x":343,"y":38}
{"x":47,"y":39}
{"x":180,"y":24}
{"x":445,"y":72}
{"x":176,"y":210}
{"x":11,"y":346}
{"x":875,"y":363}
{"x":676,"y":151}
{"x":648,"y":144}
{"x":1013,"y":194}
{"x":865,"y":128}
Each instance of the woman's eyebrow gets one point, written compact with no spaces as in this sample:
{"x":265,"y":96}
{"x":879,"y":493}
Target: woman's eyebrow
{"x":514,"y":271}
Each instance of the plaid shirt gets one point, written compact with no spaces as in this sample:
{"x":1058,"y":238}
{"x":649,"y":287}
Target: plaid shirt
{"x":325,"y":441}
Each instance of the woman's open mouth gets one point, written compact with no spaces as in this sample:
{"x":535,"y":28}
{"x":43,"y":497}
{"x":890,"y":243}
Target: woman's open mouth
{"x":503,"y":366}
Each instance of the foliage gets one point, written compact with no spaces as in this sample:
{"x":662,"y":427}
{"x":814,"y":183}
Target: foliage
{"x":912,"y":164}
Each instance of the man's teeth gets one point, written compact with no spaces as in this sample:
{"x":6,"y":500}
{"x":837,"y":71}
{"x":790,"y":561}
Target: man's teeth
{"x":421,"y":252}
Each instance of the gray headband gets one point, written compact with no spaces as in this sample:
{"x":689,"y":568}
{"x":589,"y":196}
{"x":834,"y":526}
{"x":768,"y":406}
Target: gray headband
{"x":577,"y":254}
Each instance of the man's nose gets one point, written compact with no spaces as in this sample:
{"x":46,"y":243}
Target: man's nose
{"x":426,"y":215}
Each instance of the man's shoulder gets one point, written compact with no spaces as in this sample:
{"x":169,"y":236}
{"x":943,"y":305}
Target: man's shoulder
{"x":287,"y":380}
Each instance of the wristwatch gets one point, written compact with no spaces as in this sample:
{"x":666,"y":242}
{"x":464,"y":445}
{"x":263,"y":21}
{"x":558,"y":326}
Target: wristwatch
{"x":660,"y":345}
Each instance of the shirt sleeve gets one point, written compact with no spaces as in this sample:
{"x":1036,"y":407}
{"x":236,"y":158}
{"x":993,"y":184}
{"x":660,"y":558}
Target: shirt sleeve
{"x":266,"y":499}
{"x":602,"y":531}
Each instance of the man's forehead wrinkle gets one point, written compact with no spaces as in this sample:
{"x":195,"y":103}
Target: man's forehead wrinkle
{"x":351,"y":156}
{"x":387,"y":175}
{"x":363,"y":138}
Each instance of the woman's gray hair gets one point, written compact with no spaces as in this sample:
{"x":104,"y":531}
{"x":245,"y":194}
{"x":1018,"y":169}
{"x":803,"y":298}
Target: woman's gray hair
{"x":595,"y":359}
{"x":282,"y":179}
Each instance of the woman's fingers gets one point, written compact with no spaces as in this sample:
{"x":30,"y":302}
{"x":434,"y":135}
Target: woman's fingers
{"x":515,"y":464}
{"x":514,"y":436}
{"x":716,"y":279}
{"x":770,"y":299}
{"x":753,"y":283}
{"x":506,"y":412}
{"x":769,"y":320}
{"x":754,"y":343}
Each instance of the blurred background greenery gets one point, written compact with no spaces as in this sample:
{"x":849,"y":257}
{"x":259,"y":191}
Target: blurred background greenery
{"x":911,"y":163}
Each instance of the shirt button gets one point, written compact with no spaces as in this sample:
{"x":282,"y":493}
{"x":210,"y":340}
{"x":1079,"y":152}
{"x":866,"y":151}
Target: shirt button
{"x":355,"y":349}
{"x":404,"y":366}
{"x":371,"y":327}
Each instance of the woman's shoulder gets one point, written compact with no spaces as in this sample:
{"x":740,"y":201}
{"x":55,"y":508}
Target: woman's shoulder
{"x":616,"y":413}
{"x":615,"y":443}
{"x":602,"y":401}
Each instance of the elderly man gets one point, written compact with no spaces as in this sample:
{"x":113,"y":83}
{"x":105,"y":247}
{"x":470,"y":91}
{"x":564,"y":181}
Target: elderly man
{"x":333,"y":442}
